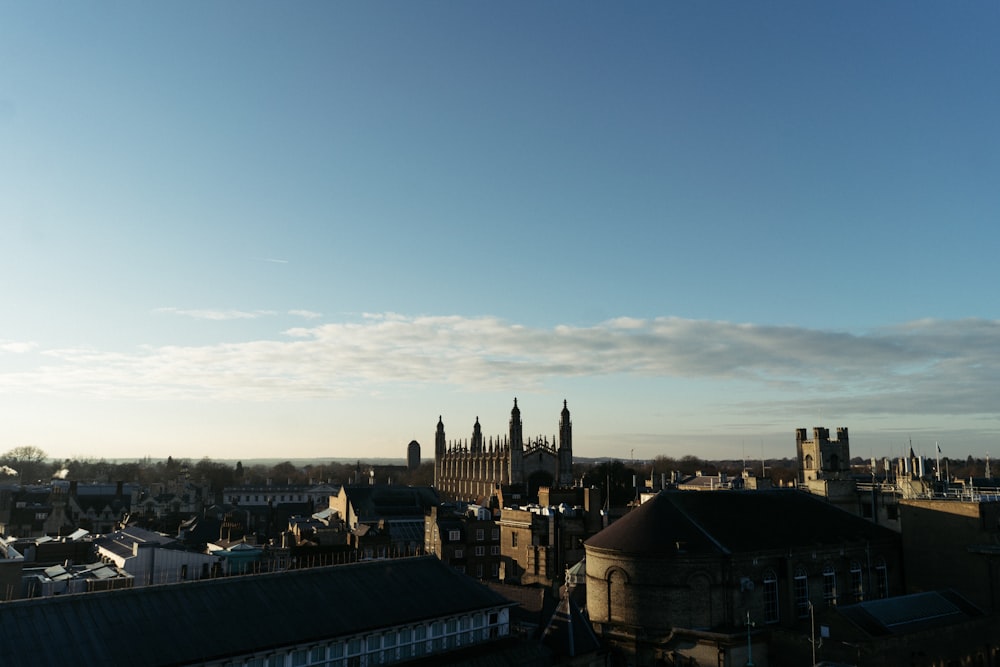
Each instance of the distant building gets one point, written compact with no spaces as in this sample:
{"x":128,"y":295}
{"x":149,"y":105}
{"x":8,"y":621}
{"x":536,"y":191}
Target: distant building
{"x":153,"y":558}
{"x":413,"y":455}
{"x":400,"y":510}
{"x":475,"y":469}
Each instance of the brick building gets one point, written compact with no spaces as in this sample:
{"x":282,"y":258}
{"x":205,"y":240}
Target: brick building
{"x":679,"y":575}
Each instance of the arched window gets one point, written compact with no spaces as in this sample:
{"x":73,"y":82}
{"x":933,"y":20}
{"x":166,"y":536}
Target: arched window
{"x":616,"y":595}
{"x":801,"y":583}
{"x":808,"y":462}
{"x":770,"y":597}
{"x":857,"y":582}
{"x":829,"y":585}
{"x":881,"y":578}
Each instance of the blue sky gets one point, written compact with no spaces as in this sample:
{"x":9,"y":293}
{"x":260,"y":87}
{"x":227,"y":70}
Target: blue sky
{"x":249,"y":229}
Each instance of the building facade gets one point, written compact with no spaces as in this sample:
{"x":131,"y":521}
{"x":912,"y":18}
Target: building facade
{"x":677,"y":578}
{"x":476,"y":468}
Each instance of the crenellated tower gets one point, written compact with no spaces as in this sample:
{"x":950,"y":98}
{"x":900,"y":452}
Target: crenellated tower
{"x":821,"y":457}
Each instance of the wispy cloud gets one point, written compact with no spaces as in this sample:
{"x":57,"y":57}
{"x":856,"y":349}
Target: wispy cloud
{"x":307,"y":314}
{"x":925,"y":367}
{"x":218,"y":315}
{"x":17,"y":347}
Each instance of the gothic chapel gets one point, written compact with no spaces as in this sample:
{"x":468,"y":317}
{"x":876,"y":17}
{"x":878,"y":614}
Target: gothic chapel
{"x":474,"y":469}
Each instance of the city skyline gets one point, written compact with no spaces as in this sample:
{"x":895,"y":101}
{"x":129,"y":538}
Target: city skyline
{"x":250,"y":231}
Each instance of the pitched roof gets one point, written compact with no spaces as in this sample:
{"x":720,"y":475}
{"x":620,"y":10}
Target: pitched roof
{"x":733,"y":521}
{"x":568,"y":632}
{"x":177,"y":624}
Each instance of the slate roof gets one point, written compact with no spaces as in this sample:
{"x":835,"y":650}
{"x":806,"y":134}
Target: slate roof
{"x":568,"y":632}
{"x":192,"y":622}
{"x":908,"y":614}
{"x":120,"y":542}
{"x":387,"y":502}
{"x":726,"y":522}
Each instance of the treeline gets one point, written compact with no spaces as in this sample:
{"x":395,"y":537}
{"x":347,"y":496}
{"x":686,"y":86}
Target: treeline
{"x":31,"y":465}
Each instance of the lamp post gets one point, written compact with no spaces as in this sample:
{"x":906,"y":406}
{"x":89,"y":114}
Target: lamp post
{"x":750,"y":643}
{"x":812,"y":623}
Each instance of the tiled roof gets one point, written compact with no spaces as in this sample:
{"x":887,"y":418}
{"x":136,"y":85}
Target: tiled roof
{"x":733,"y":521}
{"x":211,"y":619}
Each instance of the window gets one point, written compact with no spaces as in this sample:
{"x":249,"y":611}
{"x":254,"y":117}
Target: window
{"x":336,"y":654}
{"x":437,"y":629}
{"x":454,"y":535}
{"x":480,"y":534}
{"x":496,"y":533}
{"x":495,"y":550}
{"x":317,"y":654}
{"x":882,"y":578}
{"x":479,"y":571}
{"x":480,"y":551}
{"x":300,"y":657}
{"x":496,"y":570}
{"x":276,"y":660}
{"x":801,"y":583}
{"x":405,"y":643}
{"x":513,"y":539}
{"x":808,"y":462}
{"x":857,"y":582}
{"x":372,"y":645}
{"x":420,"y":639}
{"x":829,"y":585}
{"x":459,"y":553}
{"x":389,"y":646}
{"x":770,"y":597}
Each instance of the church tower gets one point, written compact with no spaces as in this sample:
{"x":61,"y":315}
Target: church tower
{"x":440,"y":447}
{"x":565,"y":448}
{"x":516,"y":447}
{"x":476,"y":446}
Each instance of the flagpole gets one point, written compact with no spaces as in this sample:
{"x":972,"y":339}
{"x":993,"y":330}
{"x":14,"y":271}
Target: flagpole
{"x":937,"y":463}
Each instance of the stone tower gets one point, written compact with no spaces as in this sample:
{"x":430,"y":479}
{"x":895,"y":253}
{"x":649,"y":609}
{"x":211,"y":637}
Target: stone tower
{"x":516,"y":475}
{"x":440,"y":448}
{"x":565,"y":447}
{"x":822,"y":458}
{"x":413,"y":455}
{"x":476,"y":446}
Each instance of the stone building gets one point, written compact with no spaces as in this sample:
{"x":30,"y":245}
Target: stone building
{"x":538,"y":542}
{"x":822,"y":458}
{"x":677,"y":578}
{"x":477,"y":468}
{"x":953,"y":543}
{"x":468,"y":542}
